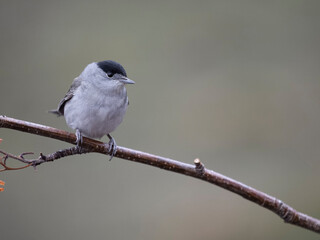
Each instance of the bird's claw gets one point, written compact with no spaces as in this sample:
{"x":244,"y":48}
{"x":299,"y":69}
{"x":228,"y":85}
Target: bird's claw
{"x":112,"y":147}
{"x":79,"y":140}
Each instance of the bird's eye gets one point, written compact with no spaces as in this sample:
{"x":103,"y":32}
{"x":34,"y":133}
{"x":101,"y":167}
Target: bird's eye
{"x":110,"y":74}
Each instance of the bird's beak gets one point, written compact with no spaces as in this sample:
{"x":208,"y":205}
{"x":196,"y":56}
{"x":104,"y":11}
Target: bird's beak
{"x":126,"y":80}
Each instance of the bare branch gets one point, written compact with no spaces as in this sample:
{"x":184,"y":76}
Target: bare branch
{"x":41,"y":159}
{"x":3,"y":162}
{"x":287,"y":213}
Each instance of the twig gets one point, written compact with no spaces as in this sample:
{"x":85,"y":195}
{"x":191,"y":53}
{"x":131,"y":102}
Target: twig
{"x":3,"y":162}
{"x":41,"y":159}
{"x":287,"y":213}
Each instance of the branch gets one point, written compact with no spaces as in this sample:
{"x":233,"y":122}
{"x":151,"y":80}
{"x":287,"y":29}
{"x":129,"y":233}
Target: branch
{"x":41,"y":159}
{"x":284,"y":211}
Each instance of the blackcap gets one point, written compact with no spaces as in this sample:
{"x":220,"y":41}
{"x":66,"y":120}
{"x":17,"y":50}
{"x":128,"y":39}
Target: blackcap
{"x":96,"y":102}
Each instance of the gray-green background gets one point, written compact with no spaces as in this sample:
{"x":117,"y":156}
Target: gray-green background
{"x":235,"y":83}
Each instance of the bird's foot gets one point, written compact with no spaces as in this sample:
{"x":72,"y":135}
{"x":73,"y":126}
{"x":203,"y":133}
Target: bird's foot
{"x":79,"y":140}
{"x":112,"y":146}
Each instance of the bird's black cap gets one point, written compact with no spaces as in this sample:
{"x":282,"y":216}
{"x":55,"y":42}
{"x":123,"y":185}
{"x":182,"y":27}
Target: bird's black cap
{"x":112,"y":67}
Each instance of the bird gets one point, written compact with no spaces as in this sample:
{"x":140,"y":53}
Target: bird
{"x":96,"y":102}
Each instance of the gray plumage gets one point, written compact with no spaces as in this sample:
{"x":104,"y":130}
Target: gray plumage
{"x":97,"y":100}
{"x":60,"y":110}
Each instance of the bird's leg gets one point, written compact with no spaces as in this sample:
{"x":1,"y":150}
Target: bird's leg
{"x":79,"y":139}
{"x":112,"y":146}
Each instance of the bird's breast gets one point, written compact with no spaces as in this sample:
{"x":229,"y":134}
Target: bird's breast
{"x":96,"y":112}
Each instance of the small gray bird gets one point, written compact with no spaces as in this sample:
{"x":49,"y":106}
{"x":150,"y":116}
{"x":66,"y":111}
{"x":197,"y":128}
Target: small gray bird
{"x":96,"y":102}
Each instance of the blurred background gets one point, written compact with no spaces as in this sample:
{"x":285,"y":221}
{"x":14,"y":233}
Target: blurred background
{"x":235,"y":83}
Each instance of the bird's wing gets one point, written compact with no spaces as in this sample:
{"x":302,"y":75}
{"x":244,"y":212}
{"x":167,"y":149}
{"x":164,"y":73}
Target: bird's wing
{"x":60,"y":110}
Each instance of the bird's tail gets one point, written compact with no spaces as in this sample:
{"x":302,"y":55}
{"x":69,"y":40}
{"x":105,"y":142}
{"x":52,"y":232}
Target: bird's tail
{"x":55,"y":111}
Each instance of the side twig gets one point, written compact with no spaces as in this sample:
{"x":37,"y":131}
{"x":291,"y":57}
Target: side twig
{"x":284,"y":211}
{"x":41,"y":159}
